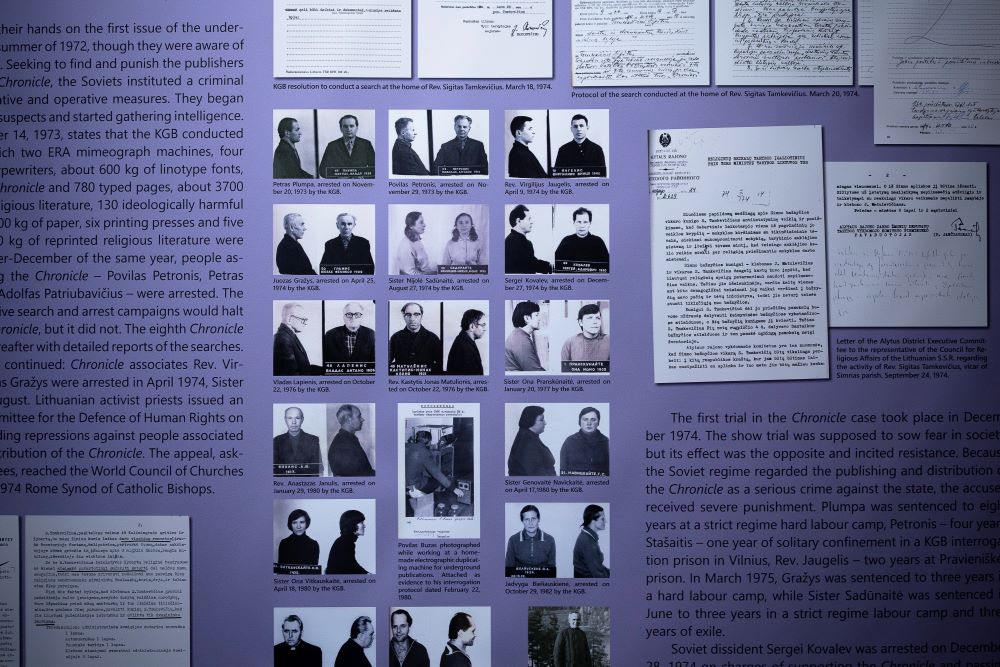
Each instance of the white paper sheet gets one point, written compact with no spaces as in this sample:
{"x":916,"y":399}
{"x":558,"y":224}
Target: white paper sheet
{"x":738,"y":267}
{"x":108,"y":590}
{"x":937,"y":72}
{"x":640,"y":43}
{"x":907,"y":244}
{"x":866,"y":42}
{"x":781,"y":43}
{"x":10,"y":592}
{"x":486,"y":39}
{"x":342,"y":38}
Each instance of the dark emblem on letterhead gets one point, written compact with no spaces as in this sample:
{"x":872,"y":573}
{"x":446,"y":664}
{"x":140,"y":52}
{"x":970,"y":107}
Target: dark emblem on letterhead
{"x":664,"y":139}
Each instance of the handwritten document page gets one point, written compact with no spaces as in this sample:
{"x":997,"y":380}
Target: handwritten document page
{"x":640,"y":43}
{"x":113,"y":591}
{"x":484,"y":39}
{"x":10,"y":592}
{"x":782,"y":43}
{"x":937,"y":72}
{"x":866,"y":42}
{"x":342,"y":38}
{"x":739,"y":264}
{"x":907,"y":244}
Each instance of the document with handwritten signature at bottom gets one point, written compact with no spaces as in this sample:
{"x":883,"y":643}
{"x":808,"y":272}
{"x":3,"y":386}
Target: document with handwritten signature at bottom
{"x":113,"y":591}
{"x":907,"y":244}
{"x":937,"y":72}
{"x":487,"y":39}
{"x":739,"y":263}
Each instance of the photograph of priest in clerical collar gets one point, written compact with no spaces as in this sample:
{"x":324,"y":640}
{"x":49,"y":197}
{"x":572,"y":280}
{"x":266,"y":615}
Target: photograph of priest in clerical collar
{"x":569,"y":636}
{"x":557,"y":143}
{"x":323,"y":239}
{"x":303,"y":635}
{"x":345,"y":138}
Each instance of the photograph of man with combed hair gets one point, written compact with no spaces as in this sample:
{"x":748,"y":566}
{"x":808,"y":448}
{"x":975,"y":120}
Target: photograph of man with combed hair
{"x":350,"y":155}
{"x":288,"y":160}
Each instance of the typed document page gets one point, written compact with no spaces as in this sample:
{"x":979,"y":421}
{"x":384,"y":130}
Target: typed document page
{"x":488,"y":39}
{"x":342,"y":38}
{"x":780,"y":43}
{"x":907,"y":244}
{"x":10,"y":592}
{"x":640,"y":43}
{"x":937,"y":79}
{"x":108,"y":590}
{"x":739,"y":269}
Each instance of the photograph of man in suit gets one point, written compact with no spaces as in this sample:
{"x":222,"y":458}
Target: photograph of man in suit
{"x":351,"y":342}
{"x":461,"y":155}
{"x":405,"y":161}
{"x":286,"y":158}
{"x":581,"y":156}
{"x":290,"y":357}
{"x":464,"y":357}
{"x":350,"y":156}
{"x":346,"y":455}
{"x":290,"y":257}
{"x":295,"y":451}
{"x":519,"y":252}
{"x":521,"y":162}
{"x":347,"y":253}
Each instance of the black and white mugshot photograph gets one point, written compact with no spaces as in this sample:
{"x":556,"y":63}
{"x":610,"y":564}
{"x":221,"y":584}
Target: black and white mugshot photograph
{"x":439,"y":636}
{"x":575,"y":538}
{"x":295,"y":144}
{"x":580,"y":330}
{"x":466,"y":326}
{"x":439,"y":239}
{"x":346,"y":143}
{"x":315,"y":537}
{"x":439,"y":470}
{"x":560,"y":238}
{"x":451,"y":143}
{"x":460,"y":140}
{"x":324,"y":239}
{"x":569,"y":636}
{"x":297,"y":430}
{"x":526,"y":337}
{"x":415,"y":330}
{"x":323,"y":636}
{"x":549,"y":439}
{"x":349,"y":337}
{"x":557,"y":143}
{"x":350,"y":432}
{"x":298,"y":334}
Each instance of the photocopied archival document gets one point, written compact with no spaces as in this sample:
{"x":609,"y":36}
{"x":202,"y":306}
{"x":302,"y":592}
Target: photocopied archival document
{"x":781,"y":43}
{"x":907,"y":244}
{"x":10,"y":592}
{"x":937,"y":72}
{"x":739,"y":264}
{"x":486,"y":39}
{"x":107,"y":590}
{"x":640,"y":43}
{"x":866,"y":42}
{"x":342,"y":38}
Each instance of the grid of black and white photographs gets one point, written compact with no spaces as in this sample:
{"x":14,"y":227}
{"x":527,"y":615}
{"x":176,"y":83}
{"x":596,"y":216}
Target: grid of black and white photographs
{"x":431,"y":239}
{"x":324,"y":536}
{"x":557,"y":238}
{"x":429,"y":337}
{"x":440,"y":635}
{"x":438,"y":474}
{"x":561,"y":636}
{"x":581,"y":428}
{"x":557,"y":337}
{"x":324,"y":635}
{"x":557,"y":143}
{"x":451,"y":143}
{"x":560,"y":540}
{"x":323,"y":239}
{"x":324,"y":439}
{"x":324,"y":143}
